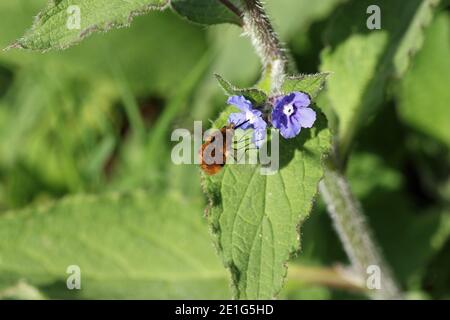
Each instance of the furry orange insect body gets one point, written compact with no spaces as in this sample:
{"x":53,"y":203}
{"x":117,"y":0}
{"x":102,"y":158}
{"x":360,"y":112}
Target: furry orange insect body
{"x":213,"y":157}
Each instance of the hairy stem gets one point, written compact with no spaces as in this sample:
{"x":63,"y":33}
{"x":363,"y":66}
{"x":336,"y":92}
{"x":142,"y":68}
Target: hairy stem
{"x":273,"y":56}
{"x":337,"y":277}
{"x":343,"y":207}
{"x":355,"y":234}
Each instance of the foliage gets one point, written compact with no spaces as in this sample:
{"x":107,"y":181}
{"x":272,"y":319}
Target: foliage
{"x":256,"y":217}
{"x":86,"y":176}
{"x":426,"y":84}
{"x":168,"y":252}
{"x":363,"y":61}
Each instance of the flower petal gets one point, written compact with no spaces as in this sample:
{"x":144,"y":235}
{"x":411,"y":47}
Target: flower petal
{"x":280,"y":102}
{"x":301,"y":99}
{"x":306,"y":117}
{"x":237,"y":119}
{"x":260,"y":124}
{"x":248,"y":118}
{"x":240,"y":102}
{"x":279,"y":119}
{"x":291,"y":129}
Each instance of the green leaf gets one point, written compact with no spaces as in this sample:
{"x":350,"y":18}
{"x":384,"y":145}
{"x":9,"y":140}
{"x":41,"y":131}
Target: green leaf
{"x":256,"y":218}
{"x":95,"y":58}
{"x":133,"y":245}
{"x":362,"y":60}
{"x":255,"y":95}
{"x":309,"y":83}
{"x":56,"y":28}
{"x":66,"y":105}
{"x":424,"y":92}
{"x":292,"y":17}
{"x":209,"y":12}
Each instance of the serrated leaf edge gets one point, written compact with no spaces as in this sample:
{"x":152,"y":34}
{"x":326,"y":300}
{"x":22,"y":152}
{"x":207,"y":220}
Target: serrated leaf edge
{"x":87,"y":31}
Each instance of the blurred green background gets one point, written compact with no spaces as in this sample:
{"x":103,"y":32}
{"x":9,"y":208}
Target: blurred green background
{"x":92,"y":125}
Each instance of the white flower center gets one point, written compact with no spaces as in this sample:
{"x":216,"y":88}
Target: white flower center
{"x":250,"y":117}
{"x":288,"y":109}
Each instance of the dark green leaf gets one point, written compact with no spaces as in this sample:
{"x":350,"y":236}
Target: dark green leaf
{"x":209,"y":12}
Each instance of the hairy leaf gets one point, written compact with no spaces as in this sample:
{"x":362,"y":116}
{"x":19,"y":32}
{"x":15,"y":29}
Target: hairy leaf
{"x":362,"y":60}
{"x":64,"y":23}
{"x":209,"y":12}
{"x":309,"y":83}
{"x":255,"y":95}
{"x":256,"y":217}
{"x":134,"y":245}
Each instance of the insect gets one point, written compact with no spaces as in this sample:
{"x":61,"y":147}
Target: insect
{"x":216,"y":149}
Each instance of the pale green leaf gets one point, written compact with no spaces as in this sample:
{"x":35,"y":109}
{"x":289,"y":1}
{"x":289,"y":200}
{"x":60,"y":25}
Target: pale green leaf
{"x":294,"y":16}
{"x":134,"y":245}
{"x":256,"y":218}
{"x":362,"y":60}
{"x":56,"y":27}
{"x":255,"y":95}
{"x":424,"y":92}
{"x":309,"y":83}
{"x":209,"y":12}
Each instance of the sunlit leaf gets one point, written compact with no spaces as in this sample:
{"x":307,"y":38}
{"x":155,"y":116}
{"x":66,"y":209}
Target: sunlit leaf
{"x":309,"y":83}
{"x":134,"y":245}
{"x":256,"y":218}
{"x":63,"y":23}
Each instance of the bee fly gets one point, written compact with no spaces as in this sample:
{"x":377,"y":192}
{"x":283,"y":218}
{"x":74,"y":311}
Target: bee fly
{"x":216,"y":149}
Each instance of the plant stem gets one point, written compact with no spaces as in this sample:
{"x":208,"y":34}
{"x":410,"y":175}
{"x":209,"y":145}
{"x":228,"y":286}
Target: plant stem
{"x":354,"y":232}
{"x":333,"y":277}
{"x":343,"y":207}
{"x":273,"y":56}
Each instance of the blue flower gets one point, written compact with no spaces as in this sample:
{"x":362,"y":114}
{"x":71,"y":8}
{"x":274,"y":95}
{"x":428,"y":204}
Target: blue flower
{"x":248,"y":118}
{"x":291,"y":114}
